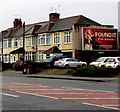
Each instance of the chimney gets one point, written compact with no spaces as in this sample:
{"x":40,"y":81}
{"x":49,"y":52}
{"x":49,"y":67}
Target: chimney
{"x":53,"y":17}
{"x":17,"y":23}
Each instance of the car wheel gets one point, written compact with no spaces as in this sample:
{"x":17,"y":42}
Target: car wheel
{"x":103,"y":66}
{"x":67,"y":66}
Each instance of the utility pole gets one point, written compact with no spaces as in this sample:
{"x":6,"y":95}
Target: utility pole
{"x":1,"y":39}
{"x":23,"y":42}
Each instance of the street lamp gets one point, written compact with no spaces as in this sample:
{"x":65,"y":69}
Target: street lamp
{"x":23,"y":42}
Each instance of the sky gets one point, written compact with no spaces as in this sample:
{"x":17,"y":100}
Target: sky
{"x":32,"y":11}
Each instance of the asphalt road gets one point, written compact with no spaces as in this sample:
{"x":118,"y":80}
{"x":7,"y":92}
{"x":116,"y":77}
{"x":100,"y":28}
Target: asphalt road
{"x":34,"y":94}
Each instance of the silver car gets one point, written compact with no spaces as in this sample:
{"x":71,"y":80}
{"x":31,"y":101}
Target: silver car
{"x":69,"y":62}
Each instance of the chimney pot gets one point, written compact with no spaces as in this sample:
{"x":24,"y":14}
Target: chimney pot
{"x":17,"y":23}
{"x":53,"y":17}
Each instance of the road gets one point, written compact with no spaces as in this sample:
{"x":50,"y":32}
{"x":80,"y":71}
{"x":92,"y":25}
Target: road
{"x":25,"y":93}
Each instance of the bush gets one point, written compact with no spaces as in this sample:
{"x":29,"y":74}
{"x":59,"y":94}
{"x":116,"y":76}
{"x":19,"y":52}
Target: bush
{"x":92,"y":71}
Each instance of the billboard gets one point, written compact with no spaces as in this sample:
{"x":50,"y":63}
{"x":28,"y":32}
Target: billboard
{"x":99,"y":39}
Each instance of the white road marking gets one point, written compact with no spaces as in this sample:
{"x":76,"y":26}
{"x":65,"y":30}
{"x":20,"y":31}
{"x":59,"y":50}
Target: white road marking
{"x":104,"y":106}
{"x":16,"y":96}
{"x":36,"y":94}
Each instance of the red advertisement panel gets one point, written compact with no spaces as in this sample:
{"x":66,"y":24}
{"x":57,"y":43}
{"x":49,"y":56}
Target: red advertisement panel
{"x":99,"y":39}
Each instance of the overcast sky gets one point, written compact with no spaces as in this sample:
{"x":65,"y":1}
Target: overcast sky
{"x":33,"y":11}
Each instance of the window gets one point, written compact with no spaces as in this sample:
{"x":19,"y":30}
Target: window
{"x":14,"y":58}
{"x":33,"y":40}
{"x":48,"y":39}
{"x":28,"y":41}
{"x":30,"y":56}
{"x":56,"y":38}
{"x":5,"y":43}
{"x":67,"y":37}
{"x":0,"y":44}
{"x":6,"y":58}
{"x":9,"y":43}
{"x":15,"y":42}
{"x":21,"y":42}
{"x":42,"y":40}
{"x":41,"y":57}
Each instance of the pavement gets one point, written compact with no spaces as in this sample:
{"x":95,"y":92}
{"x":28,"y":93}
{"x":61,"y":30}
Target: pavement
{"x":64,"y":77}
{"x":72,"y":78}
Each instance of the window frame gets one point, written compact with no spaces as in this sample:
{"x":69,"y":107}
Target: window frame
{"x":67,"y":37}
{"x":57,"y":38}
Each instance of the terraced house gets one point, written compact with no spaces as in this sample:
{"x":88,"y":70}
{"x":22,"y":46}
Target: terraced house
{"x":57,"y":36}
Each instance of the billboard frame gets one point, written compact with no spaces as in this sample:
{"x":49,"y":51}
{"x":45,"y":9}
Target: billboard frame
{"x":103,"y":29}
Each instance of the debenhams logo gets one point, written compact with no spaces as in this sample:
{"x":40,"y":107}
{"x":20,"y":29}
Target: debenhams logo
{"x":101,"y":34}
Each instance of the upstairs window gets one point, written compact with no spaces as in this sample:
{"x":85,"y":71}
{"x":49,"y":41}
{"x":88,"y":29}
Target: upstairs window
{"x":5,"y":43}
{"x":9,"y":43}
{"x":33,"y":40}
{"x":67,"y":37}
{"x":21,"y":42}
{"x":48,"y":39}
{"x":28,"y":41}
{"x":15,"y":42}
{"x":56,"y":38}
{"x":42,"y":40}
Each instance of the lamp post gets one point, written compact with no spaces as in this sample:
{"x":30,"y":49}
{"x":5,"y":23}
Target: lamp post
{"x":23,"y":42}
{"x":1,"y":39}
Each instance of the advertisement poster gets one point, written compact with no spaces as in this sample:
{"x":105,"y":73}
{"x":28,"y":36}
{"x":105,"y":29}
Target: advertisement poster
{"x":99,"y":39}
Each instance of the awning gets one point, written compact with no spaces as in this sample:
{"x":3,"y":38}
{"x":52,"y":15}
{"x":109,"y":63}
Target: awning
{"x":18,"y":51}
{"x":53,"y":49}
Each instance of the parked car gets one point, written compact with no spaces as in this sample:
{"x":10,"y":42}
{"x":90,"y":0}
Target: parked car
{"x":51,"y":60}
{"x":111,"y":62}
{"x":30,"y":67}
{"x":98,"y":62}
{"x":69,"y":62}
{"x":18,"y":65}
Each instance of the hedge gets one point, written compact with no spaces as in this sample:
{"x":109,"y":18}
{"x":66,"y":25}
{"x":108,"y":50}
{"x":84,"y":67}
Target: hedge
{"x":92,"y":71}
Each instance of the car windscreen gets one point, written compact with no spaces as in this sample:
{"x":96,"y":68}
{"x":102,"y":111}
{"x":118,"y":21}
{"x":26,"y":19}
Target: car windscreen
{"x":118,"y":59}
{"x":99,"y":60}
{"x":62,"y":59}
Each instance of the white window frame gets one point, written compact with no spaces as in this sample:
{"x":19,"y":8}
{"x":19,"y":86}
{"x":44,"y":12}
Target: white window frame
{"x":56,"y":38}
{"x":48,"y":41}
{"x":33,"y":40}
{"x":41,"y":57}
{"x":5,"y":43}
{"x":67,"y":37}
{"x":28,"y":41}
{"x":16,"y":41}
{"x":0,"y":44}
{"x":6,"y":58}
{"x":9,"y":43}
{"x":45,"y":39}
